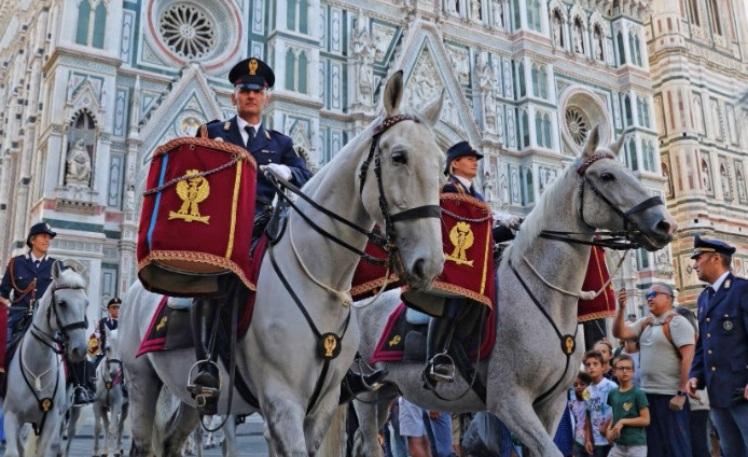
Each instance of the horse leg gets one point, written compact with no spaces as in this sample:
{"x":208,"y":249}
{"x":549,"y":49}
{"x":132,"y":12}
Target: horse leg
{"x":550,"y":413}
{"x":143,"y":397}
{"x":179,"y":427}
{"x":47,"y":443}
{"x":12,"y":435}
{"x":228,"y":446}
{"x":515,"y":410}
{"x":97,"y":429}
{"x":371,"y":417}
{"x":107,"y":430}
{"x":326,"y":433}
{"x":72,"y":424}
{"x":284,"y":417}
{"x":121,"y":425}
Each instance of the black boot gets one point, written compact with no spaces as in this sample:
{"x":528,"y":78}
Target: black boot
{"x":355,"y":383}
{"x":439,"y":364}
{"x":205,"y":386}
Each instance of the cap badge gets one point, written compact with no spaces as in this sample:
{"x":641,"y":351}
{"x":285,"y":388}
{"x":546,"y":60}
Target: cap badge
{"x":253,"y":67}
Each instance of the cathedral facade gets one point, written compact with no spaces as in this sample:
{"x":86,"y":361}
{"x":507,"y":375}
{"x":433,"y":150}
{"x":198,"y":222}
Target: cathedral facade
{"x":92,"y":87}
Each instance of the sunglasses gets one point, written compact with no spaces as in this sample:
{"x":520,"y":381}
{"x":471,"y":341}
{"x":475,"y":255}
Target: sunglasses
{"x":652,"y":294}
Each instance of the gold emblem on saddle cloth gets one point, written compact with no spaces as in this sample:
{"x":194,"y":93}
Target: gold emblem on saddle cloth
{"x":394,"y":341}
{"x":192,"y":190}
{"x":161,"y":323}
{"x":462,"y":238}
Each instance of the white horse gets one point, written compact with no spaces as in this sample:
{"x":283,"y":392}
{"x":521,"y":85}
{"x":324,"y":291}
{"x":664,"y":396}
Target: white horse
{"x":36,"y":381}
{"x":293,"y":361}
{"x":528,"y":372}
{"x":110,"y":405}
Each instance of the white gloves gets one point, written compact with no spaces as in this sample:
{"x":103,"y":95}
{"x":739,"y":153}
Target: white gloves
{"x":279,"y":170}
{"x":507,"y":220}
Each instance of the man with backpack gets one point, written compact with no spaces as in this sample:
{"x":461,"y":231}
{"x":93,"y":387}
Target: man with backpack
{"x":666,"y":341}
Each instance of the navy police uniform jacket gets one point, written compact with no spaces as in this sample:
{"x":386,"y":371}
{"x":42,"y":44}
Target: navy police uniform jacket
{"x":721,"y":359}
{"x":19,"y":276}
{"x":267,"y":146}
{"x":106,"y":324}
{"x":454,"y":185}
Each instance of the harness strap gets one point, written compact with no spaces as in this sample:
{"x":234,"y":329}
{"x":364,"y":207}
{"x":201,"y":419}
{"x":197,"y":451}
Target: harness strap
{"x":38,"y":427}
{"x":299,"y":304}
{"x":419,"y":212}
{"x":30,"y":289}
{"x":568,"y":342}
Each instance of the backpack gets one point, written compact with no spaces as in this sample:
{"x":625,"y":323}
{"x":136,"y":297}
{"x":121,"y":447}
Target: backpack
{"x":666,"y":326}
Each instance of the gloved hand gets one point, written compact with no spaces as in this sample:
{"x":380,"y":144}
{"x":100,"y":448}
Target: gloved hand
{"x":279,"y":170}
{"x":507,"y":220}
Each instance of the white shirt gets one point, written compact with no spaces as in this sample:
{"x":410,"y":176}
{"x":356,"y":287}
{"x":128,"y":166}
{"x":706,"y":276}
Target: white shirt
{"x":468,"y":183}
{"x":241,"y":123}
{"x":35,"y":258}
{"x":718,"y":283}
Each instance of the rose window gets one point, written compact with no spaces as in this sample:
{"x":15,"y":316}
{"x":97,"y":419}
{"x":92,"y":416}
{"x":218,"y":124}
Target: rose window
{"x":187,"y":31}
{"x":578,"y":125}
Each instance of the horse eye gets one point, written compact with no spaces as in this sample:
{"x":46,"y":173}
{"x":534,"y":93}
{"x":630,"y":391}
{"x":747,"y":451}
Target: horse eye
{"x":62,"y":303}
{"x":400,"y":157}
{"x":607,"y":177}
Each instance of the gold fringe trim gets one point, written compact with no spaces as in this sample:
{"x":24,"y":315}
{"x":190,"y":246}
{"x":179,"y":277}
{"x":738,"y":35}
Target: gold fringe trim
{"x":198,"y":257}
{"x":467,"y":293}
{"x":372,"y":285}
{"x":597,"y":315}
{"x":466,"y":198}
{"x":223,"y":146}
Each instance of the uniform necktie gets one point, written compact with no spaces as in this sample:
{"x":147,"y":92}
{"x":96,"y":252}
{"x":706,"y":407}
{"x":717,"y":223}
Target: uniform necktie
{"x":250,"y":134}
{"x":37,"y":263}
{"x":710,"y":292}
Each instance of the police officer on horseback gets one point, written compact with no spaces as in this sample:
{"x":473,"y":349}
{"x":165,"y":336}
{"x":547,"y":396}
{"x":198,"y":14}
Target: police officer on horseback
{"x":25,"y":281}
{"x":252,"y":80}
{"x":461,"y":169}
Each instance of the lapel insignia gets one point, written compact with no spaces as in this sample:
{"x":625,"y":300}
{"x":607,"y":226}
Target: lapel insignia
{"x":728,"y":283}
{"x":227,"y":125}
{"x":266,"y":151}
{"x":267,"y":135}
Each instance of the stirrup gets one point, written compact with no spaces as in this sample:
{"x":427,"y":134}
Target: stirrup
{"x":206,"y":397}
{"x":443,"y":361}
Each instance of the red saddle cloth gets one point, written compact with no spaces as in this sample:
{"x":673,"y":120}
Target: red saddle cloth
{"x":468,"y":247}
{"x":197,"y":217}
{"x":391,"y":345}
{"x":155,"y":338}
{"x":604,"y":305}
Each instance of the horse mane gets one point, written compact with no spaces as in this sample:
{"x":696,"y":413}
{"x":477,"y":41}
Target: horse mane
{"x":535,"y":222}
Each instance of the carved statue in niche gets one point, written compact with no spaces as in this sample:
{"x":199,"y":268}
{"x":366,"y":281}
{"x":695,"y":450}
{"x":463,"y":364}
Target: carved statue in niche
{"x":740,"y":184}
{"x":486,"y":82}
{"x":363,"y":50}
{"x":503,"y":187}
{"x":558,"y":29}
{"x":78,"y":166}
{"x":578,"y":37}
{"x":725,"y":181}
{"x":706,"y":176}
{"x":475,"y":11}
{"x":597,"y":44}
{"x":451,"y":6}
{"x":498,"y":13}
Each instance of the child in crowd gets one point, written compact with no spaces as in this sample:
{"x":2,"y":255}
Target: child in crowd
{"x":630,"y":413}
{"x":578,"y":409}
{"x":597,"y":403}
{"x":605,"y":348}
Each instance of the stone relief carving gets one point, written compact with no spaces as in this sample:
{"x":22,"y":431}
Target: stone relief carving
{"x":486,"y":83}
{"x":363,"y":50}
{"x":740,"y":183}
{"x":78,"y":172}
{"x":461,"y":62}
{"x":475,"y":11}
{"x":497,"y":10}
{"x":724,"y":178}
{"x":382,"y":37}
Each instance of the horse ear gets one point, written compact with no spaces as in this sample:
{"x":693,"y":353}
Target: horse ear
{"x":616,"y":147}
{"x":592,"y":141}
{"x":432,"y":111}
{"x":393,"y":93}
{"x":57,"y":268}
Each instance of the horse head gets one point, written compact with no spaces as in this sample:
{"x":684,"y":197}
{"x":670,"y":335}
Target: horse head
{"x":65,"y":304}
{"x":401,"y":190}
{"x":112,"y":368}
{"x":612,"y":198}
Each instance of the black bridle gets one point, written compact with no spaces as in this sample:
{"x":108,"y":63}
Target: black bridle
{"x":55,"y":342}
{"x":618,"y":240}
{"x":388,"y":241}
